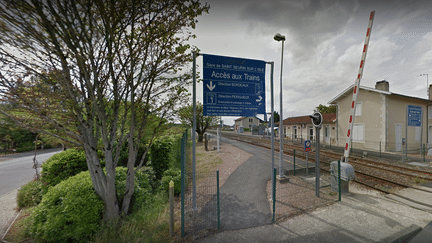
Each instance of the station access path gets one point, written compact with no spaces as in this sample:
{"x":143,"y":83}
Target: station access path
{"x":361,"y":216}
{"x":243,"y":196}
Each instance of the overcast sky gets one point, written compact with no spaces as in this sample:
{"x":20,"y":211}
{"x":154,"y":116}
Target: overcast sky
{"x":324,"y":41}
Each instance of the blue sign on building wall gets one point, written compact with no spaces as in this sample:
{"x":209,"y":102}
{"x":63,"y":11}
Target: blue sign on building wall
{"x":233,"y":86}
{"x":414,"y":116}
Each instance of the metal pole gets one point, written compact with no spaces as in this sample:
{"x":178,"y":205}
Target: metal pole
{"x":274,"y":193}
{"x":194,"y":54}
{"x":317,"y":163}
{"x":339,"y":181}
{"x":294,"y":162}
{"x":218,"y":198}
{"x":406,"y":134}
{"x":307,"y":166}
{"x":272,"y":121}
{"x":281,"y":119}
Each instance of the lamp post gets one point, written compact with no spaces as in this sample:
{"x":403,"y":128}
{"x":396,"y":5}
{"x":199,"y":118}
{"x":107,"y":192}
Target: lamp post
{"x":278,"y":37}
{"x":427,"y":83}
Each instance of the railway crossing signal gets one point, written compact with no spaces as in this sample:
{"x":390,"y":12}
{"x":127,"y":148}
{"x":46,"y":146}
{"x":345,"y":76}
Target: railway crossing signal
{"x":316,"y":119}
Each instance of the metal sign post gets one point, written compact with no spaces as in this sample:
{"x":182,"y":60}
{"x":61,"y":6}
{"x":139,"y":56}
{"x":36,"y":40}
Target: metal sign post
{"x":307,"y":147}
{"x":317,"y":120}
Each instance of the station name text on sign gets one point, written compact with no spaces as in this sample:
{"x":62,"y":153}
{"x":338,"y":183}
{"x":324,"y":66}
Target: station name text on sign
{"x":233,"y":86}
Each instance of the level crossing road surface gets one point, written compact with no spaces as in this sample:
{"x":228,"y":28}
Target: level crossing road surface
{"x":243,"y":196}
{"x":15,"y":171}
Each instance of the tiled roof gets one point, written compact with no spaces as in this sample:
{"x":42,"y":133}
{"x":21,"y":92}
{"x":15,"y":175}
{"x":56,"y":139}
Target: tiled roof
{"x":327,"y":118}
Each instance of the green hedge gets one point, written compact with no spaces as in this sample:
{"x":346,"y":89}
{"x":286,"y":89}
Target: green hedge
{"x":164,"y":154}
{"x":174,"y":175}
{"x":71,"y":211}
{"x":63,"y":165}
{"x":30,"y":194}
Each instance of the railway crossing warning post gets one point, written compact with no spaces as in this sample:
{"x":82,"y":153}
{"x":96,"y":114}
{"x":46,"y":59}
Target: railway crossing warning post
{"x":307,"y":148}
{"x":317,"y":122}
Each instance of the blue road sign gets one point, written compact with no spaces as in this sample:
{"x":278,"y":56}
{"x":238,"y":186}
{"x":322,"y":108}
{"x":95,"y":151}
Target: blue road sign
{"x":233,"y":86}
{"x":307,"y":145}
{"x":414,"y":116}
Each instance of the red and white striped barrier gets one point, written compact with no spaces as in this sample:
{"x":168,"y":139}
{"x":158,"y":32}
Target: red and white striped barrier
{"x":356,"y":88}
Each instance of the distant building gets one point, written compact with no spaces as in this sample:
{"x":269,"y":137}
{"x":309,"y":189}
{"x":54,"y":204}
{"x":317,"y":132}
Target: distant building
{"x":300,"y":128}
{"x":247,"y":122}
{"x":380,"y":119}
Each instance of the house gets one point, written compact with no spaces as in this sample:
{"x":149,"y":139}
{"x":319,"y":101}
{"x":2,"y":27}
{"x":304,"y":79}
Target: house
{"x":247,"y":122}
{"x":380,"y":119}
{"x":300,"y":128}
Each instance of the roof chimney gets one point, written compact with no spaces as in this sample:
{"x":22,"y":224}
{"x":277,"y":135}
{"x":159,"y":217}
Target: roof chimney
{"x":382,"y":85}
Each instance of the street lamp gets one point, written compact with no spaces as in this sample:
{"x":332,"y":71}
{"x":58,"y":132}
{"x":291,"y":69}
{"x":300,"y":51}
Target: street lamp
{"x":427,"y":84}
{"x":278,"y":37}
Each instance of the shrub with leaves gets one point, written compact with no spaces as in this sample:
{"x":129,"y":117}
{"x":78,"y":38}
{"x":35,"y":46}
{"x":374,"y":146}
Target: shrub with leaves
{"x":174,"y":175}
{"x":142,"y":187}
{"x":63,"y":165}
{"x":30,"y":194}
{"x":160,"y":155}
{"x":70,"y":211}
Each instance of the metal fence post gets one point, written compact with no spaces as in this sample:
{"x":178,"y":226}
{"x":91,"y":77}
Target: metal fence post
{"x":218,"y":199}
{"x":183,"y":175}
{"x":171,"y":207}
{"x":339,"y":181}
{"x":274,"y":194}
{"x":294,"y":163}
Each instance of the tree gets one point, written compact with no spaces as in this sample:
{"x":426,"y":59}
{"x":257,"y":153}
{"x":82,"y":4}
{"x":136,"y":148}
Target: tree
{"x":326,"y":109}
{"x":202,"y":122}
{"x":95,"y":73}
{"x":276,"y":116}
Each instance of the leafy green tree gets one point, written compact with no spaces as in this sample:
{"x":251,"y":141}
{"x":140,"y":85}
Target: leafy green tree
{"x":276,"y":116}
{"x":326,"y":109}
{"x":202,"y":122}
{"x":95,"y":74}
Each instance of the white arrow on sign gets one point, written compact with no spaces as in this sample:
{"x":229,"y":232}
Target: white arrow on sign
{"x":260,"y":98}
{"x":211,"y":86}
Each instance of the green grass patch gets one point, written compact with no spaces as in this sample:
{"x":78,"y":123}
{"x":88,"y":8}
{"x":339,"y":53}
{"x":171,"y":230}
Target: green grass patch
{"x":148,"y":224}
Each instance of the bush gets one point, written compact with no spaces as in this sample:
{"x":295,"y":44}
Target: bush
{"x":70,"y":211}
{"x":160,"y":156}
{"x":165,"y":153}
{"x":30,"y":194}
{"x":172,"y":174}
{"x":62,"y":166}
{"x":142,"y":187}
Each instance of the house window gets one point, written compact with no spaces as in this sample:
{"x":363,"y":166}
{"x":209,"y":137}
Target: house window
{"x":250,"y":120}
{"x":285,"y":130}
{"x":295,"y":132}
{"x":358,"y":111}
{"x":358,"y":133}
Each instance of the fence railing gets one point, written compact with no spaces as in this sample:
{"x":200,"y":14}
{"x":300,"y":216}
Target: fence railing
{"x":200,"y":209}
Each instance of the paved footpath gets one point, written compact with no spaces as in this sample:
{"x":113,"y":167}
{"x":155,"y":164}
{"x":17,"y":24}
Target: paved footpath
{"x":362,"y":216}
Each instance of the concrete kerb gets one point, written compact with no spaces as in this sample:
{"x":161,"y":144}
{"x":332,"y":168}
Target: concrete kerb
{"x":7,"y":211}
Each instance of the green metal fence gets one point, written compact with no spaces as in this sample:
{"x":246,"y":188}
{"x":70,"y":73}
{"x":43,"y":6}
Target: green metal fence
{"x":200,"y":212}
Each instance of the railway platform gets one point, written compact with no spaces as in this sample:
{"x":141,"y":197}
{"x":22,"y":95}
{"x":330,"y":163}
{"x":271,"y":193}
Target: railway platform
{"x":362,"y":215}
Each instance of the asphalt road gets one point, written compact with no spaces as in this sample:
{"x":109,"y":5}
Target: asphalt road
{"x":16,"y":170}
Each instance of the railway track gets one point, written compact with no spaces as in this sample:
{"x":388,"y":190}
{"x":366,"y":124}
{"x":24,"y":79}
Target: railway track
{"x":381,"y":176}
